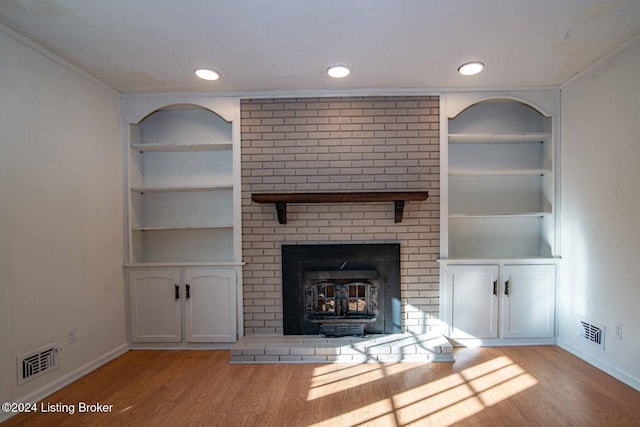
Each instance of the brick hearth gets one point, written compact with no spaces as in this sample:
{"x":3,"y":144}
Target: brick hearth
{"x":316,"y":349}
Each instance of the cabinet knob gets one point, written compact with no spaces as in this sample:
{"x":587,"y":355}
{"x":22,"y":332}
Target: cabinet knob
{"x":188,"y":291}
{"x":177,"y":288}
{"x":495,"y":288}
{"x":506,"y":288}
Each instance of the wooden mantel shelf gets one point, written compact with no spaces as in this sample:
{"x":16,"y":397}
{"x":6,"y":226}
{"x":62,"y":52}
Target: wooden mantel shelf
{"x":397,"y":197}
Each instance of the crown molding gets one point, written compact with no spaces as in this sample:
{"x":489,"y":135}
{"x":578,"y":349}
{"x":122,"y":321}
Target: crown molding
{"x":602,"y":60}
{"x":55,"y":58}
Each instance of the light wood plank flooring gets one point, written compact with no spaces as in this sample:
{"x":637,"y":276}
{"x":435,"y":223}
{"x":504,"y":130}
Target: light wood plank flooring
{"x":538,"y":386}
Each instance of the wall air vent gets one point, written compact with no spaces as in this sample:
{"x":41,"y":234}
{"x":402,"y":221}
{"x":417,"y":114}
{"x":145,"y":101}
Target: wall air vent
{"x":36,"y":363}
{"x":592,"y":332}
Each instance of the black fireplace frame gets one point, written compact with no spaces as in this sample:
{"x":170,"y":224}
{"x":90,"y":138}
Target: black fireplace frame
{"x":383,"y":257}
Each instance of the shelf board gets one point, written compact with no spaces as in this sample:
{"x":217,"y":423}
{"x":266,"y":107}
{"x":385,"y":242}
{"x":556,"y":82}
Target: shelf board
{"x":499,"y":138}
{"x":181,"y":189}
{"x":502,"y":172}
{"x":397,"y":197}
{"x":208,"y":146}
{"x":511,"y":215}
{"x":190,"y":227}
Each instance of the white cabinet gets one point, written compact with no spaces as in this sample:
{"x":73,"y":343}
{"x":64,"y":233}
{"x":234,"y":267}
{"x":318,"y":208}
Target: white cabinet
{"x":528,"y":301}
{"x":210,"y":305}
{"x":499,"y":215}
{"x":474,"y":301}
{"x":155,"y":306}
{"x":183,"y":235}
{"x":193,"y":305}
{"x":500,"y":301}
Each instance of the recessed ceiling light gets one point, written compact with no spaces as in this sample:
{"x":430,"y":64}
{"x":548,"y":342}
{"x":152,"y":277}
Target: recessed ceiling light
{"x":207,"y":74}
{"x":338,"y":71}
{"x":471,"y":68}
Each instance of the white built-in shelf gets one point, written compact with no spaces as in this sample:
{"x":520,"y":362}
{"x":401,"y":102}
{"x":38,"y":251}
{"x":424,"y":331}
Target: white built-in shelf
{"x":500,"y":138}
{"x":189,"y":227}
{"x":503,"y":172}
{"x":223,"y":186}
{"x":184,"y":183}
{"x":209,"y":146}
{"x":502,"y":215}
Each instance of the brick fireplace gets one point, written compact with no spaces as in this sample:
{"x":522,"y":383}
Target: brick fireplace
{"x":340,"y":144}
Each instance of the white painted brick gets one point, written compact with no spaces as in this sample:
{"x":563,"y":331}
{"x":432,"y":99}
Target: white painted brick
{"x":286,"y":142}
{"x":340,"y":358}
{"x":379,"y":349}
{"x":291,"y":358}
{"x":267,"y":359}
{"x":306,"y":350}
{"x":314,"y":359}
{"x":389,"y":358}
{"x":328,"y":349}
{"x":241,"y":359}
{"x":403,"y":348}
{"x":422,"y":349}
{"x":277,"y":351}
{"x":253,"y":351}
{"x":416,"y":358}
{"x":353,"y":350}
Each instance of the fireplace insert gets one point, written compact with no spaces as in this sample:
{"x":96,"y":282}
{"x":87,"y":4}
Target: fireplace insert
{"x":337,"y":290}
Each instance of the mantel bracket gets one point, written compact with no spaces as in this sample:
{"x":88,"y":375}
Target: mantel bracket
{"x":399,"y":208}
{"x":397,"y":197}
{"x":281,"y":208}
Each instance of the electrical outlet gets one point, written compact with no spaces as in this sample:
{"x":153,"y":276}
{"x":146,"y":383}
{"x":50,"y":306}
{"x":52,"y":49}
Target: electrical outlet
{"x":73,"y":335}
{"x":617,"y":330}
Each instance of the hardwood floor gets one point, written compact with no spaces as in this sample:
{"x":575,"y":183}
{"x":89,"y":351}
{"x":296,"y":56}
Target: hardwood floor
{"x":514,"y":386}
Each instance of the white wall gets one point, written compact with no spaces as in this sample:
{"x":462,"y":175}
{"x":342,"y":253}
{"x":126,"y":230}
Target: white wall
{"x":600,"y":278}
{"x":60,"y":218}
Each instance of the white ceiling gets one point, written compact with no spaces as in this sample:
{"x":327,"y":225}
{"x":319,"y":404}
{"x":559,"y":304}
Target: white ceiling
{"x":138,"y":46}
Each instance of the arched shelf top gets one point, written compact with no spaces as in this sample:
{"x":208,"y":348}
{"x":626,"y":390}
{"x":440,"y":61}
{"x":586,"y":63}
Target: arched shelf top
{"x":137,"y":108}
{"x":456,"y":105}
{"x":182,"y":106}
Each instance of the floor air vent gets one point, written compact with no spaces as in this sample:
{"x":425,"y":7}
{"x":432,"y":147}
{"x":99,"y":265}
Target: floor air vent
{"x":38,"y":362}
{"x":592,"y":332}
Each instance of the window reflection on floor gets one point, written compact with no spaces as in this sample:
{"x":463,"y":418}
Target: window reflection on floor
{"x":444,"y":401}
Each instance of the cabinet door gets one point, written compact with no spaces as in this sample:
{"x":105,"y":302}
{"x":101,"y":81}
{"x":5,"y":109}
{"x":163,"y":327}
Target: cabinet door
{"x":528,"y":301}
{"x":210,"y":305}
{"x":474,"y":300}
{"x":155,"y":306}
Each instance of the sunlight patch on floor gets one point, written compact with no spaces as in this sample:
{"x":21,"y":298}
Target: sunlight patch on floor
{"x":378,"y":413}
{"x":441,"y":402}
{"x":497,"y":380}
{"x":327,"y":379}
{"x":441,"y":399}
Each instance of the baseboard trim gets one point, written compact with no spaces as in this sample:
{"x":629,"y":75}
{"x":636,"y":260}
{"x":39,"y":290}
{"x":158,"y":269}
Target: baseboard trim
{"x":615,"y":373}
{"x":180,"y":346}
{"x":48,"y":389}
{"x":500,"y":342}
